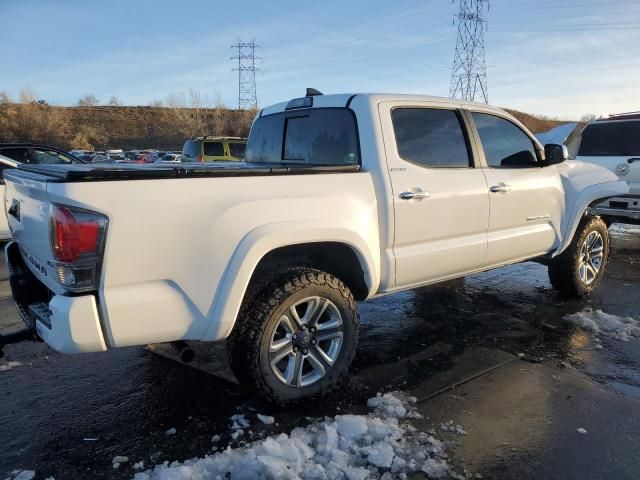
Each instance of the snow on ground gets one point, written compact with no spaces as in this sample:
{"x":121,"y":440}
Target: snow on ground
{"x":9,"y":366}
{"x":353,"y":447}
{"x":266,"y":419}
{"x":600,"y":323}
{"x":22,"y":474}
{"x":452,"y":427}
{"x":624,"y":228}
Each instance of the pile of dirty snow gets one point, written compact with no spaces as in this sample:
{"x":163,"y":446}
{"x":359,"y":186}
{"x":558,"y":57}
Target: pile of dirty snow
{"x":600,"y":323}
{"x":624,"y":228}
{"x":356,"y":447}
{"x":5,"y":367}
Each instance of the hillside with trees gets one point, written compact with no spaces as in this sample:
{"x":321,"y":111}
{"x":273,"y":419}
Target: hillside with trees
{"x":160,"y":125}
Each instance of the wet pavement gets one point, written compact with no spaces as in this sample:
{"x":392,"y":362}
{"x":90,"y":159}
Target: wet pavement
{"x":491,"y":352}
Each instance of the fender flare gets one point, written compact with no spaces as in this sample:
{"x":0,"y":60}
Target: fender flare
{"x":585,"y":198}
{"x":263,"y":239}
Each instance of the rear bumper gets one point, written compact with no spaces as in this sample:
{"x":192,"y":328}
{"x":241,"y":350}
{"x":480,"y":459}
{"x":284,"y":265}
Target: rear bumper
{"x":67,"y":324}
{"x":74,"y":325}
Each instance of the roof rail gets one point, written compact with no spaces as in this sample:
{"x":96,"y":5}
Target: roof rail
{"x":621,"y":116}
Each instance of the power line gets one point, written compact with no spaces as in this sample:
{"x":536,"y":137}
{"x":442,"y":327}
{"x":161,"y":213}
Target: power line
{"x":469,"y":74}
{"x":246,"y":57}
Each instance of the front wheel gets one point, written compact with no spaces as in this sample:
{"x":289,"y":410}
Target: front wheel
{"x":296,"y":337}
{"x":577,"y":271}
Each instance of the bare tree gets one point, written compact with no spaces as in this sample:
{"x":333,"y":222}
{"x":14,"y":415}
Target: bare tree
{"x":588,"y":117}
{"x":190,"y":117}
{"x":4,"y":98}
{"x":27,"y":96}
{"x":114,"y":101}
{"x":88,"y":101}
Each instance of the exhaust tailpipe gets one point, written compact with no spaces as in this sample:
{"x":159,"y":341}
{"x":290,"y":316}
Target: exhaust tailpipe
{"x":184,"y":351}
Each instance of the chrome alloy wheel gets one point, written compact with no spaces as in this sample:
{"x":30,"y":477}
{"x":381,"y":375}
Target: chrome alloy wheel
{"x":306,"y":342}
{"x":590,"y":259}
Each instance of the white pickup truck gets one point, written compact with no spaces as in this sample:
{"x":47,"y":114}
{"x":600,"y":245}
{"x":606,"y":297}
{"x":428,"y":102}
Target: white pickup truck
{"x":341,"y":198}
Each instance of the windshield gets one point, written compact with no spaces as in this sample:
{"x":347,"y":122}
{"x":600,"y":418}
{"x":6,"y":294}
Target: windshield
{"x":611,"y":139}
{"x":322,"y":136}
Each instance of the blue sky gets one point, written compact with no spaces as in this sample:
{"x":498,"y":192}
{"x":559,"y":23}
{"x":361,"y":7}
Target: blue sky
{"x":562,"y":58}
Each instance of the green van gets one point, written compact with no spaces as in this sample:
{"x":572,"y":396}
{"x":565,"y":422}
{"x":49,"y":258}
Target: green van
{"x":214,"y":149}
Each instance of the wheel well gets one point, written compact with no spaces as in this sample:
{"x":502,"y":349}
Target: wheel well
{"x":336,"y":258}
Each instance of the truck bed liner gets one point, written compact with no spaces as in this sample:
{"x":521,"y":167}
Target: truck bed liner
{"x":105,"y":172}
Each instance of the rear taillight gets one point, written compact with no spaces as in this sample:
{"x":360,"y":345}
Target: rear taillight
{"x":76,"y":241}
{"x":200,"y":159}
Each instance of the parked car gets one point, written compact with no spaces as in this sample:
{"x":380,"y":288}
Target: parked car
{"x":36,"y":153}
{"x":12,"y":154}
{"x":145,"y":157}
{"x":102,"y":158}
{"x":211,"y":149}
{"x":79,"y":153}
{"x":341,"y":198}
{"x":614,"y":143}
{"x":170,"y":158}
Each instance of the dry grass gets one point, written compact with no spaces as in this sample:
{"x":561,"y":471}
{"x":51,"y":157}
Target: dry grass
{"x":103,"y":127}
{"x":162,"y":127}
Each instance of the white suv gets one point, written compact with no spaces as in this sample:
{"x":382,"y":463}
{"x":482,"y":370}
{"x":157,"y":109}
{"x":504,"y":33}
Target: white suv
{"x":614,"y":143}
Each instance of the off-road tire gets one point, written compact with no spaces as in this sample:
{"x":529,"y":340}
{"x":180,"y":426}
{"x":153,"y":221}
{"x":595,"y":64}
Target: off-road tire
{"x":262,"y":308}
{"x":564,"y":269}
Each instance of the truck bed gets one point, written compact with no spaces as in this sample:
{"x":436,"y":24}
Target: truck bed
{"x":124,"y":171}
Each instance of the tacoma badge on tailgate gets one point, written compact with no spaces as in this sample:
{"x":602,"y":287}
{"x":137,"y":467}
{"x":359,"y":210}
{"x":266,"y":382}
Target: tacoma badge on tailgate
{"x":35,"y":263}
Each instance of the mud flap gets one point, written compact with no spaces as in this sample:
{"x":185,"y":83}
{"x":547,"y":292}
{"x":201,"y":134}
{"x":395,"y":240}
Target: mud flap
{"x":25,"y":290}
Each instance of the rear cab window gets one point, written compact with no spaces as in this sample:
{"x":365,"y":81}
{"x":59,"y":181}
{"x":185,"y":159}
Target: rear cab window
{"x":320,"y":136}
{"x":611,"y":139}
{"x":191,"y":149}
{"x":237,"y":149}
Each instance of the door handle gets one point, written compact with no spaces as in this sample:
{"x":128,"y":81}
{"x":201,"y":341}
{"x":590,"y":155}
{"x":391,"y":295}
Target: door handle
{"x":416,"y":194}
{"x":500,"y":188}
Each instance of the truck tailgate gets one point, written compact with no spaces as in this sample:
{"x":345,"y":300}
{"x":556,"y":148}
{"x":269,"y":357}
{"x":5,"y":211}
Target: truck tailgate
{"x":28,"y":206}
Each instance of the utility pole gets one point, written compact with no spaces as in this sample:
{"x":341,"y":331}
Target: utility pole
{"x":469,"y":75}
{"x":246,"y":57}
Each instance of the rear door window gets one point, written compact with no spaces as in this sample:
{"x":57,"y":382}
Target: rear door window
{"x":430,"y":137}
{"x":611,"y":139}
{"x":323,"y":136}
{"x":214,"y":149}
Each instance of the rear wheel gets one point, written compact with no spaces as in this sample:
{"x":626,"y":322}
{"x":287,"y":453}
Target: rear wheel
{"x":296,"y":337}
{"x":578,"y":270}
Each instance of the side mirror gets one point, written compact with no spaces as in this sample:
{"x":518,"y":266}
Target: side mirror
{"x":554,"y":153}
